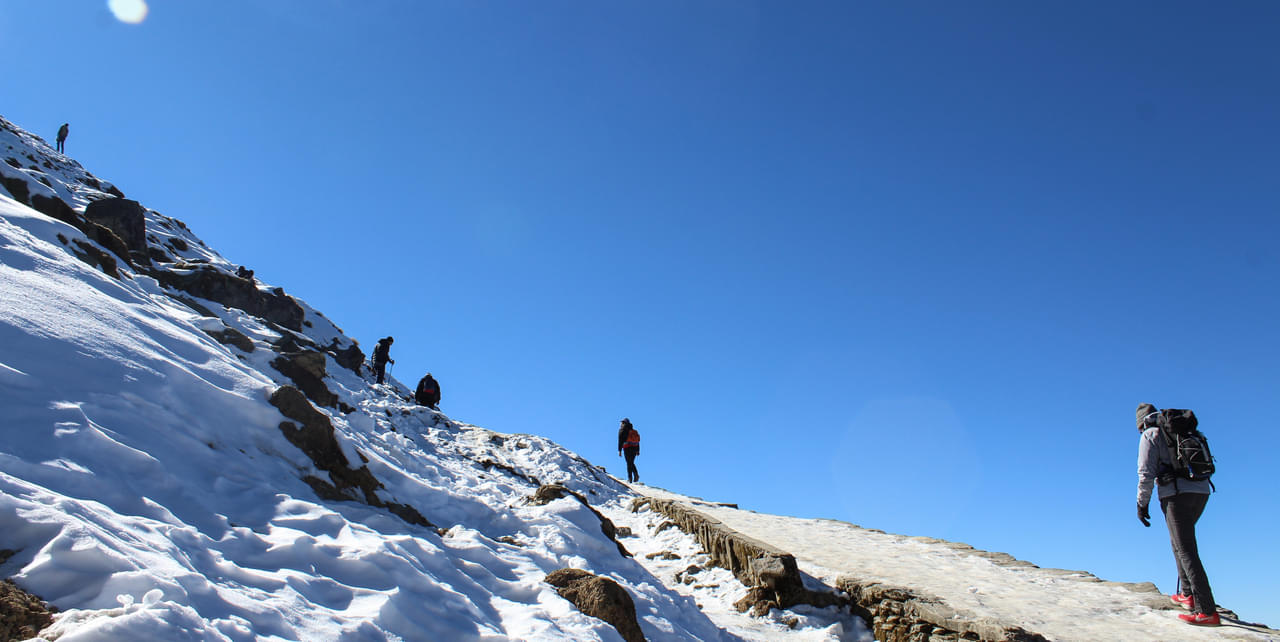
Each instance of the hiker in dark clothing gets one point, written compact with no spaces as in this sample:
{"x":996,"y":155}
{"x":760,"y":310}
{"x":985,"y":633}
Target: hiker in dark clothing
{"x":1182,"y":501}
{"x":382,"y":356}
{"x":428,"y":392}
{"x":629,"y":445}
{"x":62,"y":135}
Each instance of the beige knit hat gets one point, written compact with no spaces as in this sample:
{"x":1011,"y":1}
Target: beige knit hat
{"x":1145,"y":410}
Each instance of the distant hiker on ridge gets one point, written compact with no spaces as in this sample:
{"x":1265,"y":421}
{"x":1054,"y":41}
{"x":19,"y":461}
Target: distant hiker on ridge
{"x":428,"y":392}
{"x":1183,"y":495}
{"x":629,"y":444}
{"x":382,"y":356}
{"x":62,"y":135}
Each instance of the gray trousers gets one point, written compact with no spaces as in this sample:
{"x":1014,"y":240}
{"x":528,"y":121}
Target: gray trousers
{"x":1181,"y":512}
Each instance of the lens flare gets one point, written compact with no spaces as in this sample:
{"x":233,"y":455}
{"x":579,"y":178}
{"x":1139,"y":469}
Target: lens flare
{"x":130,"y":11}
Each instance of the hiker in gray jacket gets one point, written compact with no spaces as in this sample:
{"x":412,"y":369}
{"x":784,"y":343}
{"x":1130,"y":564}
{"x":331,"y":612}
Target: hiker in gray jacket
{"x":1182,"y":501}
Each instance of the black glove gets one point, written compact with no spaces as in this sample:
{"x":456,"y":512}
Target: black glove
{"x":1144,"y":515}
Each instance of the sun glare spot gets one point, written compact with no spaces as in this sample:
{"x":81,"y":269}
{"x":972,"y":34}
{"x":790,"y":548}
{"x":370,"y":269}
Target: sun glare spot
{"x":130,"y":11}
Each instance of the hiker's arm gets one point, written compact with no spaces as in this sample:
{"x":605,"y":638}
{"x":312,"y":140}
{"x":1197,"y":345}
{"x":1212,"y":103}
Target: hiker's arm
{"x":1148,"y":468}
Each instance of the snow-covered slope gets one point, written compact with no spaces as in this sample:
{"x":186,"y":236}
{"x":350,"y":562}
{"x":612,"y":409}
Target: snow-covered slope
{"x":188,"y":453}
{"x":149,"y":490}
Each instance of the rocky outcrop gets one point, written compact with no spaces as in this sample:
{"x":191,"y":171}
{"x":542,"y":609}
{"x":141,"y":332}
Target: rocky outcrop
{"x":307,"y":371}
{"x":56,"y":208}
{"x":127,"y":219}
{"x":90,"y":254}
{"x":898,"y":614}
{"x":548,"y":493}
{"x":208,"y":282}
{"x":314,"y":437}
{"x":17,"y":187}
{"x":22,"y":615}
{"x":599,"y":597}
{"x":231,"y":336}
{"x":771,"y":574}
{"x":351,"y":357}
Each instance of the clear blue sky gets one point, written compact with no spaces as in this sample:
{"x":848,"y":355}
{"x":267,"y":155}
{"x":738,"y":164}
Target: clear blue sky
{"x":909,"y":265}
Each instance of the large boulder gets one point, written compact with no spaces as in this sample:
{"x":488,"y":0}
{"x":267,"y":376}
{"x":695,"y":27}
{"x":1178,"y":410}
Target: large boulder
{"x":307,"y":370}
{"x":127,"y":218}
{"x":599,"y":597}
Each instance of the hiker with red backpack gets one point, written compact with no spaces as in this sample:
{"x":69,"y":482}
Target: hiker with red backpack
{"x":1175,"y":455}
{"x":428,"y":392}
{"x":629,"y":446}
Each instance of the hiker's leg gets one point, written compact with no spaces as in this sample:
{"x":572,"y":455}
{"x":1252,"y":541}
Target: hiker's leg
{"x":1181,"y":513}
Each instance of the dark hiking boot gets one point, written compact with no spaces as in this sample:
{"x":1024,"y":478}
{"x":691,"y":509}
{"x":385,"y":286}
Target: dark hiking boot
{"x":1201,"y":619}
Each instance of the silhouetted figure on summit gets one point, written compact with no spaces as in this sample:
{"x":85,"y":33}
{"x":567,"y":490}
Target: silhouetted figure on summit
{"x":62,"y":135}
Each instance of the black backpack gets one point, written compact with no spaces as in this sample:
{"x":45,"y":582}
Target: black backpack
{"x":380,"y":351}
{"x":1188,"y":447}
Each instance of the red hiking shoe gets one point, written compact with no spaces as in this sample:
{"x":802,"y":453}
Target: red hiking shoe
{"x":1187,"y":602}
{"x":1201,"y":619}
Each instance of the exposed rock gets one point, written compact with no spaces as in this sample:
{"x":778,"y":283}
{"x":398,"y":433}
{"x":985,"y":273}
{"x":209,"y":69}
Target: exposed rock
{"x":490,"y":464}
{"x":666,"y":555}
{"x":90,"y":254}
{"x":56,"y":208}
{"x":898,"y":614}
{"x":599,"y":597}
{"x":307,"y":371}
{"x":124,"y":217}
{"x":232,"y":336}
{"x":22,"y":615}
{"x":315,"y":439}
{"x":200,"y":309}
{"x":213,"y":284}
{"x":551,"y":492}
{"x":759,"y":600}
{"x":686,"y":576}
{"x":290,"y":342}
{"x":350,"y":358}
{"x":17,"y":187}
